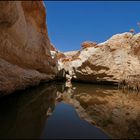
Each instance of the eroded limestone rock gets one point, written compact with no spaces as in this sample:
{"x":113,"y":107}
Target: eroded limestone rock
{"x":107,"y":62}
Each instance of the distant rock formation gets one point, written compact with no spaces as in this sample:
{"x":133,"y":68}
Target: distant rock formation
{"x":25,"y":57}
{"x":107,"y":62}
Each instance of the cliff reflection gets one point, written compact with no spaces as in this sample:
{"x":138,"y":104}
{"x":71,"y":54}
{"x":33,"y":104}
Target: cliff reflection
{"x":22,"y":115}
{"x":26,"y":114}
{"x":115,"y":112}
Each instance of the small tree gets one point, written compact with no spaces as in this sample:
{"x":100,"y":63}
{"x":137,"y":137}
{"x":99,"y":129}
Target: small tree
{"x":138,"y":25}
{"x":132,"y":31}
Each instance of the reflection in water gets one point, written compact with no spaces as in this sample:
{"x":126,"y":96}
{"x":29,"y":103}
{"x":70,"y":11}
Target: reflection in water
{"x":65,"y":123}
{"x":45,"y":111}
{"x":23,"y":115}
{"x":117,"y":113}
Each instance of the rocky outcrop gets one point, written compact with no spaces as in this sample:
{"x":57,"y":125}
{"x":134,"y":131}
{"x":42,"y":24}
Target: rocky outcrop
{"x":88,"y":44}
{"x":107,"y":62}
{"x":25,"y":57}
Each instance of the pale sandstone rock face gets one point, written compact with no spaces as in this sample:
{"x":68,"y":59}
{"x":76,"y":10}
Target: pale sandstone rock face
{"x":25,"y":57}
{"x":135,"y":43}
{"x":107,"y":62}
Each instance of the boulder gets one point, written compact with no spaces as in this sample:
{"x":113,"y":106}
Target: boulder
{"x":88,"y":44}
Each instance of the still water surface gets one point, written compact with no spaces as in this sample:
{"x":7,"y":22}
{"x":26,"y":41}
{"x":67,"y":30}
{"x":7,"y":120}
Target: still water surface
{"x":82,"y":111}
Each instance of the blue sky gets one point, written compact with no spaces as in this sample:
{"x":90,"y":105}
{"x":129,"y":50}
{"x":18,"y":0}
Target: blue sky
{"x":71,"y":23}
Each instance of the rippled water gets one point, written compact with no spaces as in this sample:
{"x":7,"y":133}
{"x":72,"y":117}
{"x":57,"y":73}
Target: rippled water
{"x":82,"y":111}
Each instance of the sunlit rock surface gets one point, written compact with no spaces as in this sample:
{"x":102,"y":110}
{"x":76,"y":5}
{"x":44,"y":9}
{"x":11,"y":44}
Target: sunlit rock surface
{"x":25,"y":57}
{"x":107,"y":62}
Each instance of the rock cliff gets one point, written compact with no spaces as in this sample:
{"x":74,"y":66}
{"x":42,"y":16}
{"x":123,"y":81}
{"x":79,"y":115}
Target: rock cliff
{"x":25,"y":57}
{"x":107,"y":62}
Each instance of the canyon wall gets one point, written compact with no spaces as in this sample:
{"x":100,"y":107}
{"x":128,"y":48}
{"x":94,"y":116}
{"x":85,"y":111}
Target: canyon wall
{"x":25,"y":56}
{"x":108,"y":63}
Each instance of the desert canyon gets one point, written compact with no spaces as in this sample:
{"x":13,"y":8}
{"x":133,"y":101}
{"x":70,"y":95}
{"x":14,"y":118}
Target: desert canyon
{"x":28,"y":58}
